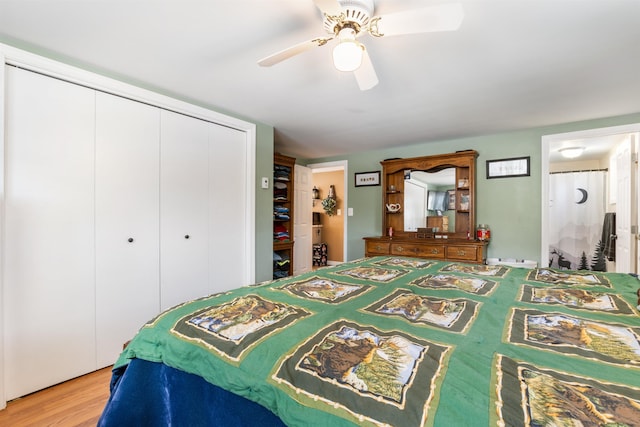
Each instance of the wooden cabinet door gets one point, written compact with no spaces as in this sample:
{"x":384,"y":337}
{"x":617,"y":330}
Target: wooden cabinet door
{"x":49,"y":289}
{"x":184,"y":209}
{"x":127,"y":220}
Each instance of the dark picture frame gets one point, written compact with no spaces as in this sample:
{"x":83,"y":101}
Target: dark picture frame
{"x":451,"y":200}
{"x":367,"y":179}
{"x":509,"y":168}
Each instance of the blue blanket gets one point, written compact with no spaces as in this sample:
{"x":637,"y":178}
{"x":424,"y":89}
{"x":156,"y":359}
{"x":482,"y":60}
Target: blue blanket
{"x":153,"y":394}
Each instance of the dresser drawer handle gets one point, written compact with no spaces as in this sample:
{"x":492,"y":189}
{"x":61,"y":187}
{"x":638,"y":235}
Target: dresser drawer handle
{"x":378,"y":248}
{"x":400,"y":249}
{"x":435,"y":251}
{"x":461,"y":252}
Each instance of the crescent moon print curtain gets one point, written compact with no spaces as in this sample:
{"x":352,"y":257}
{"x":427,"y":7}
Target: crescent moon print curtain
{"x":576,"y":215}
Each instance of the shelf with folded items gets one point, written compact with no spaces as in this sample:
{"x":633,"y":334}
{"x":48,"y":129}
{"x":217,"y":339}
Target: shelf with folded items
{"x":281,"y":263}
{"x":283,"y":192}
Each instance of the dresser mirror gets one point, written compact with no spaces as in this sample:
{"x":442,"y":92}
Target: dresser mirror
{"x":427,"y":196}
{"x":428,"y":193}
{"x":435,"y":192}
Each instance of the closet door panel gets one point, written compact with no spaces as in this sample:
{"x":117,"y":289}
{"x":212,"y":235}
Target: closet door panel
{"x":228,"y":205}
{"x":184,"y":212}
{"x":49,"y":259}
{"x":127,"y":221}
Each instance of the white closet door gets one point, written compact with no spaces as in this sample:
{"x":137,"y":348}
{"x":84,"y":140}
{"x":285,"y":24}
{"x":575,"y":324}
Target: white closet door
{"x":184,"y":211}
{"x":49,"y":259}
{"x":127,"y":221}
{"x":228,"y":186}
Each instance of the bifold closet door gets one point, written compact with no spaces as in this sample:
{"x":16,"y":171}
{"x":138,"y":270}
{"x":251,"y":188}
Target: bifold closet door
{"x":127,"y":221}
{"x":184,"y":209}
{"x":229,"y":209}
{"x":49,"y":288}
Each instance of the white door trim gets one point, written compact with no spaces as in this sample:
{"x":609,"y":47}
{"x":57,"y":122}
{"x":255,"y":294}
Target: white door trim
{"x":3,"y":401}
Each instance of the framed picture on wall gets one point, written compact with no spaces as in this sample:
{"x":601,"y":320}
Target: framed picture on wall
{"x":365,"y":179}
{"x":507,"y":168}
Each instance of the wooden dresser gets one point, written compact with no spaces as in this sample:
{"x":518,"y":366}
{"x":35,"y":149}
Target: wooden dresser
{"x":455,"y":239}
{"x":472,"y":251}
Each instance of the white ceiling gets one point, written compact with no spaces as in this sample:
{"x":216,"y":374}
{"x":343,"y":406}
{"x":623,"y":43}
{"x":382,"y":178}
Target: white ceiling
{"x":513,"y":64}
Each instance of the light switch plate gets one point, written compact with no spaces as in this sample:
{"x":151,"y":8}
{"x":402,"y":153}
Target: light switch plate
{"x":265,"y":182}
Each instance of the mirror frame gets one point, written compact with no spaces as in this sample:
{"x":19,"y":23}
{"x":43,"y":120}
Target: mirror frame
{"x":393,"y":174}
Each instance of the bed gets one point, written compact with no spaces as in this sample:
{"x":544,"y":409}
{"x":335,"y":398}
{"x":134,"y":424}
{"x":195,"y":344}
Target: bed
{"x":391,"y":341}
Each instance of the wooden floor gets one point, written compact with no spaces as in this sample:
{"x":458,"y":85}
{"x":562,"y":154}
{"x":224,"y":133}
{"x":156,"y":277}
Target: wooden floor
{"x":78,"y":402}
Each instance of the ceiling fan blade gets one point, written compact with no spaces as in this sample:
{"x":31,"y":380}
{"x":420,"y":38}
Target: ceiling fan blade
{"x":293,"y":50}
{"x":329,"y":7}
{"x":365,"y":74}
{"x":444,"y":17}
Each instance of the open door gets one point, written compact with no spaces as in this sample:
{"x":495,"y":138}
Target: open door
{"x":625,"y":249}
{"x":303,"y":256}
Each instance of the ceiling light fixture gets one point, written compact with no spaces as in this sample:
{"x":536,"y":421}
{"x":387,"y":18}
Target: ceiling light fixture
{"x":347,"y":55}
{"x":571,"y":152}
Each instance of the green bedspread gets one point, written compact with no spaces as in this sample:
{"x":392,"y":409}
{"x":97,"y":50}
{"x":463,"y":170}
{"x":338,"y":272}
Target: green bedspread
{"x":410,"y":342}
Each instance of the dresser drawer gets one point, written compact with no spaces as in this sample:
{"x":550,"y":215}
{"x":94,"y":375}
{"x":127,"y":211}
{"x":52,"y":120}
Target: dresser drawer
{"x":376,"y":248}
{"x":462,"y":253}
{"x":418,"y":250}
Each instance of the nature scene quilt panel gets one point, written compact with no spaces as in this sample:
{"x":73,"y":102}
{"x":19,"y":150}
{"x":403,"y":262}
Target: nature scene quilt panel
{"x":395,"y":341}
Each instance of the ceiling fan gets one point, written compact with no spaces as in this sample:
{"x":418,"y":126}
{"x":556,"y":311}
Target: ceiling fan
{"x":346,"y":20}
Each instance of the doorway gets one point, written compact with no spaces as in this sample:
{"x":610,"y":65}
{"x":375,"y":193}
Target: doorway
{"x":333,"y":230}
{"x":601,"y":150}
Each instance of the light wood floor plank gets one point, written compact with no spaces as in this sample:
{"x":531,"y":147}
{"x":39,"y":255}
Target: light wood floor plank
{"x":78,"y":402}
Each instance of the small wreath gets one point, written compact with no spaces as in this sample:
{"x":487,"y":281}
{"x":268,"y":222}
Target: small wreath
{"x":329,"y":205}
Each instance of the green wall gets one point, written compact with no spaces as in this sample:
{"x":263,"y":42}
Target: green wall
{"x":264,"y":204}
{"x":511,"y":206}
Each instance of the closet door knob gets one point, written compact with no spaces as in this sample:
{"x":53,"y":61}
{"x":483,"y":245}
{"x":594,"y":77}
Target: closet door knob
{"x":130,"y":240}
{"x":186,"y":236}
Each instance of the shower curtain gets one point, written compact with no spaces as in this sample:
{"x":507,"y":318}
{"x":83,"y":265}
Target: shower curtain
{"x":576,"y":215}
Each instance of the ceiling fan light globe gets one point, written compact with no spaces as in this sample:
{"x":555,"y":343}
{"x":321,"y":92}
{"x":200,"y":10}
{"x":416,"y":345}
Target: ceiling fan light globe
{"x":347,"y":55}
